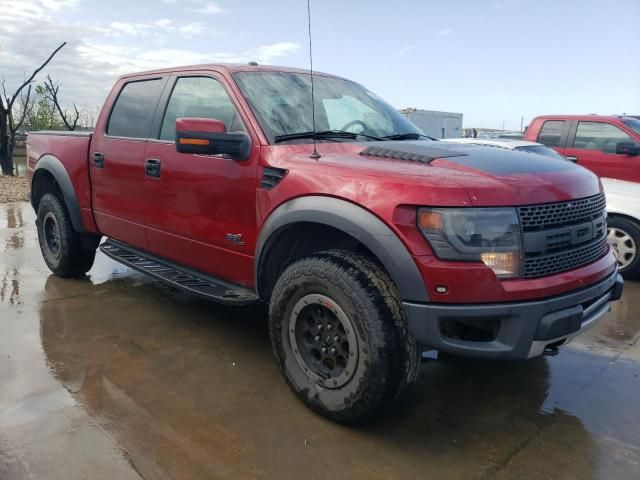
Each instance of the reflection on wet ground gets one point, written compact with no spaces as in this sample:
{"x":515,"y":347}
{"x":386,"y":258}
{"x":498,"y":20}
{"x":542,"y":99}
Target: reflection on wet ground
{"x":116,"y":376}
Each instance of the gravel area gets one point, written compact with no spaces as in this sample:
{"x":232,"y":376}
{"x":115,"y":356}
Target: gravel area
{"x":13,"y":189}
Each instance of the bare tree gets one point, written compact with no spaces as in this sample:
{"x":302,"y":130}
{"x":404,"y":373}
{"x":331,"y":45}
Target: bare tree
{"x":51,"y":90}
{"x":10,"y":125}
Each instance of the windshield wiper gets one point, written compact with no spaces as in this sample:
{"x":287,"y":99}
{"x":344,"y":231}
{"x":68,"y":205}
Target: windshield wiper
{"x":322,"y":134}
{"x":408,"y":136}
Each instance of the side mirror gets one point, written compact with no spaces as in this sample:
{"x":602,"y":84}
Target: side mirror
{"x":627,"y":148}
{"x":208,"y":136}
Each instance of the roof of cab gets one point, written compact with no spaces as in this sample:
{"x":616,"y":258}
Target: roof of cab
{"x":581,"y":117}
{"x":225,"y":68}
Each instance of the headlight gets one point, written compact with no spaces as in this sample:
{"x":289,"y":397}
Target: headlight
{"x":488,"y":235}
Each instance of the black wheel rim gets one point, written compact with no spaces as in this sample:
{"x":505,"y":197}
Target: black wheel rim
{"x":51,"y":233}
{"x":323,"y":341}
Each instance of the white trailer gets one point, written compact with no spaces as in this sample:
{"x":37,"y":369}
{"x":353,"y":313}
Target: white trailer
{"x":435,"y":124}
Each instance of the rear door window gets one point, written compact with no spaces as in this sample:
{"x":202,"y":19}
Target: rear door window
{"x":551,"y":133}
{"x":133,"y":111}
{"x":599,"y":136}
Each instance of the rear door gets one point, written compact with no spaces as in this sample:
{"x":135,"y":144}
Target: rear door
{"x":592,"y":144}
{"x":116,"y":160}
{"x":554,"y":133}
{"x":204,"y":206}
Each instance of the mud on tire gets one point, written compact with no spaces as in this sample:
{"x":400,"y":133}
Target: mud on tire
{"x":66,"y":252}
{"x":339,"y":285}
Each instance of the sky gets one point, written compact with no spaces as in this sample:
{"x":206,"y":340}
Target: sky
{"x":495,"y":61}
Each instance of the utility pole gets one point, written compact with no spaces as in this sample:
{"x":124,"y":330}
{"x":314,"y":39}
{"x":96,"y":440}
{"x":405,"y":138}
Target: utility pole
{"x":522,"y":124}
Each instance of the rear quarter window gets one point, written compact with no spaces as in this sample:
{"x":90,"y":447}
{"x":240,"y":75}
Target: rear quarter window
{"x":133,"y":110}
{"x":551,"y":133}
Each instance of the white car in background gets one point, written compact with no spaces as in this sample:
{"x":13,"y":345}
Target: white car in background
{"x":510,"y":143}
{"x":623,"y":222}
{"x":623,"y":203}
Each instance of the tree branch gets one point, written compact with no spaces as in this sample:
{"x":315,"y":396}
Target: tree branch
{"x":52,"y":94}
{"x":4,"y":97}
{"x":30,"y":79}
{"x":25,"y":109}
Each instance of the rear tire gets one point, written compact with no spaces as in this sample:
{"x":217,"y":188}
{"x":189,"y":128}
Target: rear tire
{"x":66,"y":252}
{"x":624,"y":237}
{"x":341,"y":302}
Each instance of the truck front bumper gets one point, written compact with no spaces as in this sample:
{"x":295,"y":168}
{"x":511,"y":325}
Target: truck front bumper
{"x":516,"y":330}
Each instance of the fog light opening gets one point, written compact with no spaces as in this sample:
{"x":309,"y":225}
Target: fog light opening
{"x":481,"y":330}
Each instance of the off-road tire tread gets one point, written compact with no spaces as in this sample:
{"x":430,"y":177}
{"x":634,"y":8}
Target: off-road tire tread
{"x":78,"y":250}
{"x":395,"y":366}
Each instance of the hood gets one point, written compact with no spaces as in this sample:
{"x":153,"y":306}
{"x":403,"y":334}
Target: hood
{"x":495,"y":176}
{"x":622,"y":197}
{"x":488,"y":176}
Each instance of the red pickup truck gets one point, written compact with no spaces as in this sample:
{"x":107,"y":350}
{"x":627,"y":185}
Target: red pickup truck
{"x":606,"y":145}
{"x":378,"y":243}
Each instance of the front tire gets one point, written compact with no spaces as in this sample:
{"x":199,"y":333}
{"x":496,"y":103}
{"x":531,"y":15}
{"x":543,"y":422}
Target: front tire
{"x":66,"y":252}
{"x":339,"y":336}
{"x":624,"y":237}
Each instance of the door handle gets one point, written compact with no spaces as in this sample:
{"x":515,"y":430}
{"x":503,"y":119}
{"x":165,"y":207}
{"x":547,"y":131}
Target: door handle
{"x":152,"y":168}
{"x":98,"y":159}
{"x":572,"y":159}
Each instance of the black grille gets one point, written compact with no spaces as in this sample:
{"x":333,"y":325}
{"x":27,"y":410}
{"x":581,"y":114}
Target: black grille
{"x":537,"y":217}
{"x":562,"y":236}
{"x":563,"y":261}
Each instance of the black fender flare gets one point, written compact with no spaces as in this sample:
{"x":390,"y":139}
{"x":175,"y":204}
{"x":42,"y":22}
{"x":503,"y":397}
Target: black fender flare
{"x":54,"y":166}
{"x":360,"y":224}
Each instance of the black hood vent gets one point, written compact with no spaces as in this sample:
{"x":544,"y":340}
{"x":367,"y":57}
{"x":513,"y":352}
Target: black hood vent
{"x":412,"y":152}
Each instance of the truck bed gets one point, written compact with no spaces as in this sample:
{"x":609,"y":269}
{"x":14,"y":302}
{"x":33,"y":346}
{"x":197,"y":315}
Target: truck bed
{"x":72,"y":150}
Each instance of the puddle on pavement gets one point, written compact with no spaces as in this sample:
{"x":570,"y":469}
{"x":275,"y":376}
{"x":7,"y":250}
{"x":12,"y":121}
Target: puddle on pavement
{"x":120,"y":373}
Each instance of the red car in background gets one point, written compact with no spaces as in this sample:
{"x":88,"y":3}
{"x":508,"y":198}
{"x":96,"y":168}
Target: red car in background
{"x":606,"y":145}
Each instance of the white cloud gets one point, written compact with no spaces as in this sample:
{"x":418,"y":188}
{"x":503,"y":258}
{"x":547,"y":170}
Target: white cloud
{"x":158,"y":29}
{"x":59,"y":4}
{"x":209,"y":8}
{"x":444,"y":32}
{"x":133,"y":29}
{"x":96,"y":55}
{"x":204,"y":7}
{"x":406,"y":50}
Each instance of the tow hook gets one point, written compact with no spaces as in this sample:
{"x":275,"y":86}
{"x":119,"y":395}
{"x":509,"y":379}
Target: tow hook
{"x":551,"y":350}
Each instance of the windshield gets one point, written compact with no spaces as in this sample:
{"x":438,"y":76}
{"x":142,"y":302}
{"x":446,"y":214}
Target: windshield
{"x":282,"y":104}
{"x":633,"y":124}
{"x":541,"y":150}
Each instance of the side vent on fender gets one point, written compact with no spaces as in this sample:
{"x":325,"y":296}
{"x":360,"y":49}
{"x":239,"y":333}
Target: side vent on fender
{"x":271,"y":177}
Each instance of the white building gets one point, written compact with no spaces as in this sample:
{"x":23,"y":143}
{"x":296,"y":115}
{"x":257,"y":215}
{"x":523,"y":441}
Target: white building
{"x":435,"y":124}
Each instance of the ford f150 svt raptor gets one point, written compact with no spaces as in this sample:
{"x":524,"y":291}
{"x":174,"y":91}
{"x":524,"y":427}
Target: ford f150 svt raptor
{"x":206,"y":177}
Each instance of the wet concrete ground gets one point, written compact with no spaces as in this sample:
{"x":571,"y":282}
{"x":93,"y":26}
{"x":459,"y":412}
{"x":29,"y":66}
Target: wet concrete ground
{"x":115,"y":376}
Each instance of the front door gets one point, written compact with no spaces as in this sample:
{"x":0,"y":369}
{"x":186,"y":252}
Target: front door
{"x":594,"y":147}
{"x":204,"y":213}
{"x":116,"y":161}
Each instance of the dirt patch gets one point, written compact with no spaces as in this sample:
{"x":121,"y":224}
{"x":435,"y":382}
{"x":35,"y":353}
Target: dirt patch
{"x":13,"y":189}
